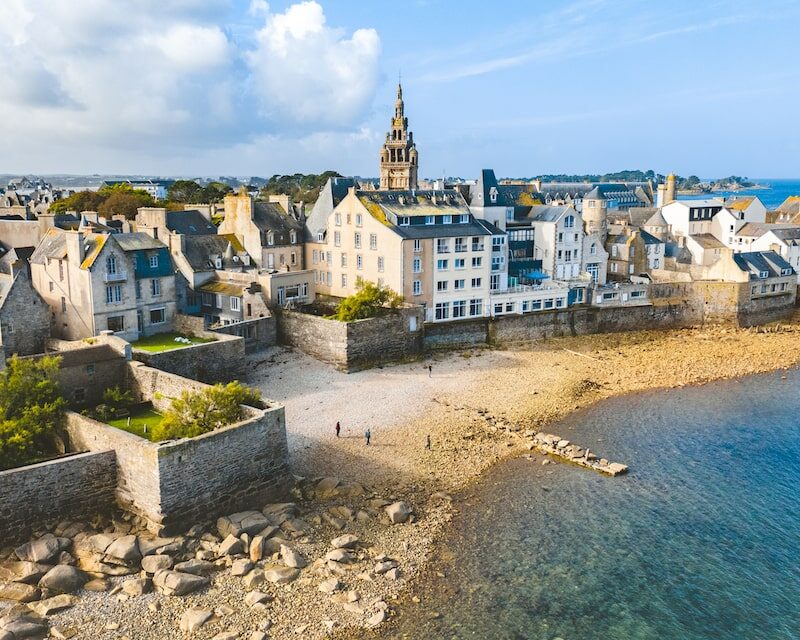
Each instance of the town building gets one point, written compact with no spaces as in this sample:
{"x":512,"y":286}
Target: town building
{"x":24,"y":315}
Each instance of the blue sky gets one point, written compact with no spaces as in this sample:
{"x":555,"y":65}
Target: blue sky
{"x":210,"y":87}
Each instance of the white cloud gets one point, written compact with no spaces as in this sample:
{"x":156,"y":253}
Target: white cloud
{"x":175,"y":75}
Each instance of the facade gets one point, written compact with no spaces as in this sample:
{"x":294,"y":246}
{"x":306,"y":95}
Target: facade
{"x":123,"y":283}
{"x":399,"y":162}
{"x":24,"y":316}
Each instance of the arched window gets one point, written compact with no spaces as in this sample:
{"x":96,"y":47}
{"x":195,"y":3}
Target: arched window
{"x":569,"y":222}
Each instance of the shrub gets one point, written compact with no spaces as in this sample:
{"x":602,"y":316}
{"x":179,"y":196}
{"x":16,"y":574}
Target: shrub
{"x":197,"y":412}
{"x":367,"y":302}
{"x":31,"y":410}
{"x":117,"y":399}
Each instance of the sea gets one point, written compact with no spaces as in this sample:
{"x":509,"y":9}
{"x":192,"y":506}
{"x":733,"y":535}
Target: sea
{"x":699,"y":541}
{"x":772,"y":196}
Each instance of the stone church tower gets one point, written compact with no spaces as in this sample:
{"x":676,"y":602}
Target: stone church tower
{"x":399,"y":154}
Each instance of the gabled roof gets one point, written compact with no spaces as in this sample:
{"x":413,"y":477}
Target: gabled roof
{"x":754,"y":229}
{"x":332,"y":194}
{"x":138,"y":241}
{"x":189,"y":222}
{"x":549,"y":213}
{"x":201,"y":250}
{"x":740,"y":203}
{"x":506,"y":195}
{"x":270,"y":217}
{"x":649,"y":238}
{"x":759,"y":262}
{"x":415,"y":203}
{"x":53,"y":245}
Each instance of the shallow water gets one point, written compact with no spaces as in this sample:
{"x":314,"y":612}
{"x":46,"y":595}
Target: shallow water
{"x":700,"y":540}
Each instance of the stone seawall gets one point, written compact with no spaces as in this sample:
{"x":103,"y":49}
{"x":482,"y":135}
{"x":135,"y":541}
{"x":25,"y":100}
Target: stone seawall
{"x":71,"y":487}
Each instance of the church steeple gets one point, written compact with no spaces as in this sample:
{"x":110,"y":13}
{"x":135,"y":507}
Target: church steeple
{"x":399,"y":154}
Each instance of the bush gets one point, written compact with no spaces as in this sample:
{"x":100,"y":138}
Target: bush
{"x":117,"y":399}
{"x":198,"y":412}
{"x":31,"y":410}
{"x":367,"y":302}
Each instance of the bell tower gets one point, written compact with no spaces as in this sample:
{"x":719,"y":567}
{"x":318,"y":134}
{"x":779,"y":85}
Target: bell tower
{"x":399,"y":161}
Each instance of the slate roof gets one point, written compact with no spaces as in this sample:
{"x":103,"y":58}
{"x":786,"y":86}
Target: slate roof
{"x":200,"y":251}
{"x":508,"y":195}
{"x":53,"y":245}
{"x":707,"y":241}
{"x":226,"y":288}
{"x":189,"y":223}
{"x":415,"y":203}
{"x":330,"y":196}
{"x":649,"y":238}
{"x":758,"y":262}
{"x":754,"y":229}
{"x":270,"y":217}
{"x":138,"y":241}
{"x":549,"y":213}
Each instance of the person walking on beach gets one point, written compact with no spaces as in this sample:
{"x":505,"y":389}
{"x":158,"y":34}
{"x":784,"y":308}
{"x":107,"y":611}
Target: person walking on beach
{"x":338,"y":428}
{"x":367,"y":436}
{"x":428,"y":442}
{"x":430,"y":370}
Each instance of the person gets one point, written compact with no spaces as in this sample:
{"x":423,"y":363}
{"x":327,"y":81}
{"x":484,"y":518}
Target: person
{"x":367,"y":436}
{"x":430,"y":370}
{"x":428,"y":442}
{"x":338,"y":428}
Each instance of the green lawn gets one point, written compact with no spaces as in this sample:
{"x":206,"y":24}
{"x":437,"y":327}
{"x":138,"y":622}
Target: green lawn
{"x":166,"y":341}
{"x":139,"y":419}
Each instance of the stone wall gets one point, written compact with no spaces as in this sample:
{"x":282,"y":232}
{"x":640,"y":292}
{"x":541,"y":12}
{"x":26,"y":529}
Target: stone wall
{"x":156,"y":386}
{"x":258,"y":333}
{"x":352,"y":346}
{"x":24,"y":317}
{"x":222,"y":360}
{"x":73,"y":487}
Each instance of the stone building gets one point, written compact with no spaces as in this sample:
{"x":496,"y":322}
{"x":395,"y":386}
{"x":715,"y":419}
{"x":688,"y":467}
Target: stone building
{"x":24,"y":315}
{"x":399,"y":160}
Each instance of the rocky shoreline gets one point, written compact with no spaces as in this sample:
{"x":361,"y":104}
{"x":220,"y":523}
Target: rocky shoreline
{"x":479,"y":407}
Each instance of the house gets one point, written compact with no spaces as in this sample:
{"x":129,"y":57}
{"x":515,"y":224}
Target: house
{"x":95,"y":282}
{"x":24,"y":315}
{"x":783,"y":239}
{"x":655,"y":248}
{"x":268,"y":233}
{"x":691,"y":217}
{"x":749,"y":208}
{"x":627,"y":255}
{"x":768,"y":274}
{"x":558,"y":240}
{"x":231,"y":298}
{"x":788,"y":211}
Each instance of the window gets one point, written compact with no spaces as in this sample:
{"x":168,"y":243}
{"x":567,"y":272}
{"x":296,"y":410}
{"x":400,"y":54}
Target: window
{"x":357,"y":239}
{"x":51,"y":285}
{"x":509,"y":307}
{"x":493,"y":195}
{"x":477,"y":261}
{"x":79,"y":395}
{"x":60,"y":269}
{"x":315,"y":256}
{"x":417,"y":265}
{"x":630,"y":268}
{"x":380,"y":264}
{"x":338,"y":219}
{"x":475,"y":307}
{"x":459,"y":284}
{"x":293,"y":236}
{"x":344,"y":259}
{"x":459,"y":308}
{"x":476,"y":283}
{"x":461,"y":245}
{"x":463,"y":218}
{"x":337,"y":238}
{"x":293,"y":258}
{"x":498,"y":308}
{"x":138,"y":289}
{"x":359,"y":219}
{"x":442,"y":310}
{"x":344,"y":280}
{"x":270,"y":238}
{"x":442,"y":265}
{"x":548,"y":303}
{"x":637,"y":294}
{"x":63,"y":304}
{"x":111,"y":263}
{"x":441,"y":285}
{"x":614,"y":251}
{"x":115,"y":323}
{"x":329,"y":257}
{"x":359,"y":262}
{"x":270,"y":261}
{"x":417,"y":287}
{"x":459,"y":263}
{"x":477,"y":244}
{"x":536,"y":305}
{"x":561,"y":237}
{"x":155,"y":287}
{"x":655,"y":263}
{"x":494,"y":282}
{"x":442,"y":245}
{"x":593,"y":249}
{"x":403,"y":221}
{"x":158,"y":316}
{"x":373,"y":241}
{"x":417,"y":246}
{"x":430,"y":219}
{"x":569,"y":222}
{"x":559,"y":303}
{"x":113,"y":294}
{"x":526,"y":306}
{"x":154,"y":261}
{"x":89,"y":370}
{"x":497,"y":262}
{"x":236,"y":304}
{"x":447,"y":219}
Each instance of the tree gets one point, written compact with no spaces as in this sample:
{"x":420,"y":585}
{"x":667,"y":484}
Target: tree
{"x":185,"y":191}
{"x":301,"y":187}
{"x":31,"y":409}
{"x":215,"y":192}
{"x":123,"y":202}
{"x":368,"y":301}
{"x":79,"y":201}
{"x":197,"y":412}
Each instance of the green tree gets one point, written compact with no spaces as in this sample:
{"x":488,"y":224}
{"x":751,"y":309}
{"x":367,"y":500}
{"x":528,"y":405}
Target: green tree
{"x":125,"y":202}
{"x":185,"y":192}
{"x":214,"y":192}
{"x":31,"y":409}
{"x":368,"y":301}
{"x":79,"y":201}
{"x":197,"y":412}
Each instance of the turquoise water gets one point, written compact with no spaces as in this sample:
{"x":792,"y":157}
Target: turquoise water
{"x":772,"y":197}
{"x":701,"y":540}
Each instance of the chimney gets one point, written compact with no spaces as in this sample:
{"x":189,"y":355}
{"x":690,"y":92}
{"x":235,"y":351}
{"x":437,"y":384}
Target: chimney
{"x":75,"y":250}
{"x":283,"y":200}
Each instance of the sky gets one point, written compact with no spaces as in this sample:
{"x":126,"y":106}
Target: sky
{"x":250,"y":87}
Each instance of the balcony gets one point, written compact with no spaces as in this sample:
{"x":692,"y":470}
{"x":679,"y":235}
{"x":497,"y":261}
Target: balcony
{"x":118,"y":276}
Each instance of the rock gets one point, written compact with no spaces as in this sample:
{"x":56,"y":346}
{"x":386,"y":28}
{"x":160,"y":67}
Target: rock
{"x":280,"y":575}
{"x":231,"y":546}
{"x":136,"y":587}
{"x":277,"y":513}
{"x":223,"y":610}
{"x":257,"y":635}
{"x":63,"y":579}
{"x":241,"y":567}
{"x":398,"y":512}
{"x":256,"y":597}
{"x":97,"y":585}
{"x":63,"y":633}
{"x":296,"y":526}
{"x":19,"y":592}
{"x":51,"y":605}
{"x":194,"y":618}
{"x":616,"y":468}
{"x":353,"y":607}
{"x":330,"y":586}
{"x":250,"y":522}
{"x":301,"y":630}
{"x":100,"y":542}
{"x":440,"y":495}
{"x":23,"y":571}
{"x":226,"y":635}
{"x":347,"y":541}
{"x":253,"y":579}
{"x":151,"y":546}
{"x":383,"y":567}
{"x":292,"y":558}
{"x":23,"y":628}
{"x":393,"y":574}
{"x":335,"y":522}
{"x":176,"y":583}
{"x":351,"y":490}
{"x":327,"y":487}
{"x":197,"y":567}
{"x":43,"y":550}
{"x":561,"y":444}
{"x":340,"y":555}
{"x":376,"y":619}
{"x":125,"y":548}
{"x":153,"y":564}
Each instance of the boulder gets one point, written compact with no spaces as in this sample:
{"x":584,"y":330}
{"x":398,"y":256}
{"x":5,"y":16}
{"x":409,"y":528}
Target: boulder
{"x":154,"y":564}
{"x":340,"y":555}
{"x":330,"y":586}
{"x":296,"y":526}
{"x":63,"y":579}
{"x":292,"y":558}
{"x":23,"y":628}
{"x":334,"y":521}
{"x":52,"y":605}
{"x":250,"y":522}
{"x":23,"y":571}
{"x":280,"y":575}
{"x":253,"y":579}
{"x":19,"y":592}
{"x":136,"y":587}
{"x":347,"y":541}
{"x":176,"y":583}
{"x":241,"y":567}
{"x":231,"y":546}
{"x":398,"y":512}
{"x":160,"y":546}
{"x":256,"y":597}
{"x":327,"y":487}
{"x":99,"y":542}
{"x":382,"y":567}
{"x":194,"y":618}
{"x":226,"y":635}
{"x":124,"y":548}
{"x":46,"y":549}
{"x":278,"y":512}
{"x":393,"y":574}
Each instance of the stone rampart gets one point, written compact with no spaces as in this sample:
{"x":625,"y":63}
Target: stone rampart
{"x":70,"y":487}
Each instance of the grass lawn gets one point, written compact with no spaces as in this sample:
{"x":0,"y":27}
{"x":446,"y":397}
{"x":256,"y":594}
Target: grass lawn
{"x":139,"y":419}
{"x":166,"y":341}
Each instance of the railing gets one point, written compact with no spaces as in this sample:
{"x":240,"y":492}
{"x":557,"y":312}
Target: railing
{"x":477,"y":247}
{"x":119,"y":276}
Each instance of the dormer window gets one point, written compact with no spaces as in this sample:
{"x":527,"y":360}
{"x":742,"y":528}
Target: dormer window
{"x":218,"y":263}
{"x":447,"y":219}
{"x":292,"y":237}
{"x":430,"y":219}
{"x":154,"y":261}
{"x":493,"y":194}
{"x":270,"y":238}
{"x":763,"y":274}
{"x":403,"y":221}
